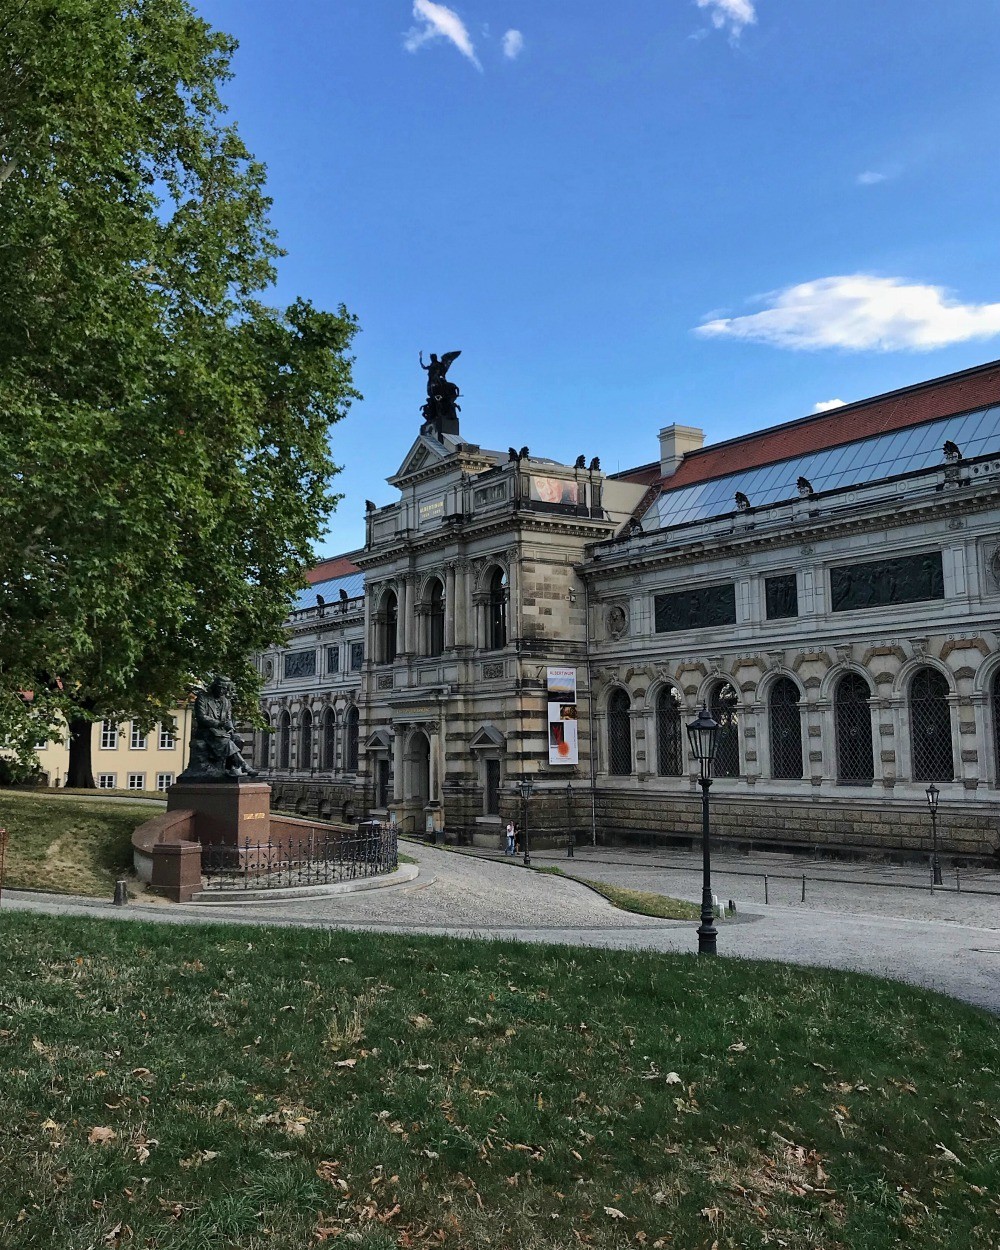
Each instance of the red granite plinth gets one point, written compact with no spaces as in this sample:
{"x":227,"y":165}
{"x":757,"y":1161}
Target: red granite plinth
{"x":228,"y":812}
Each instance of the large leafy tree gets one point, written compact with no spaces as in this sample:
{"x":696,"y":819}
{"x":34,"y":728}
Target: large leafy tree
{"x":163,"y":432}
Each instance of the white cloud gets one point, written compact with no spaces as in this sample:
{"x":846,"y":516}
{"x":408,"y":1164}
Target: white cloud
{"x":513,"y":44}
{"x":860,"y":312}
{"x":870,"y":177}
{"x":731,"y":15}
{"x":440,"y":22}
{"x":825,"y":405}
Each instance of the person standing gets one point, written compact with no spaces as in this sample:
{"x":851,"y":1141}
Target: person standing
{"x":509,"y":848}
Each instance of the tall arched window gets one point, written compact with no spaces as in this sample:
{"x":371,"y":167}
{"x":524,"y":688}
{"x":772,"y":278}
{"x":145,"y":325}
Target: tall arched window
{"x":995,"y":708}
{"x":351,"y":740}
{"x":669,"y":754}
{"x":305,"y":739}
{"x":435,"y":619}
{"x":785,"y":723}
{"x":723,"y":704}
{"x":930,"y":727}
{"x":496,"y":608}
{"x":285,"y":741}
{"x":619,"y":734}
{"x":853,"y":723}
{"x":390,"y":623}
{"x":329,"y":740}
{"x":264,"y":743}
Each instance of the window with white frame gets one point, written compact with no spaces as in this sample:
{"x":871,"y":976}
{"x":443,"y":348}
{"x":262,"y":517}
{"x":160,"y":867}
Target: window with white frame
{"x":137,"y":781}
{"x":164,"y":780}
{"x":109,"y":736}
{"x":168,"y":739}
{"x":106,"y":781}
{"x":137,"y":742}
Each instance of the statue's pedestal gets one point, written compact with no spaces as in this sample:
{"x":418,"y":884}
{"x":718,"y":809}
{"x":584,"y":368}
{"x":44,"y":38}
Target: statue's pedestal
{"x":228,"y":812}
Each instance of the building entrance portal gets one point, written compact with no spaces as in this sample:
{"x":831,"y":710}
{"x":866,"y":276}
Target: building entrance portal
{"x":416,"y":781}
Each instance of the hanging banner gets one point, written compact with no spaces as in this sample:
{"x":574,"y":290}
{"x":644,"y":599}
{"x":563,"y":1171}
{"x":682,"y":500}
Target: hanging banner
{"x":564,"y":742}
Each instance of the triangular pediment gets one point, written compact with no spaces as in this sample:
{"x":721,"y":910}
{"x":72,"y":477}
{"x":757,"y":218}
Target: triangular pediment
{"x":425,"y":453}
{"x":487,"y":737}
{"x":378,"y":740}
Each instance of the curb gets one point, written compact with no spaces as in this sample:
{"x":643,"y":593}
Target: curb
{"x":289,"y":894}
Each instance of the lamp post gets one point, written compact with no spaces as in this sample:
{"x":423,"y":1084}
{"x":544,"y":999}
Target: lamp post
{"x":703,"y":739}
{"x":933,"y":794}
{"x":569,"y":820}
{"x":526,"y":786}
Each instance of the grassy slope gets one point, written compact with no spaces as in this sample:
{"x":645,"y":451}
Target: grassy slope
{"x":279,"y":1088}
{"x":66,"y":846}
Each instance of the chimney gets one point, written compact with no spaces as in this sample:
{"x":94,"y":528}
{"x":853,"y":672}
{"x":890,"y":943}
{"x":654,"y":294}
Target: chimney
{"x":675,"y":442}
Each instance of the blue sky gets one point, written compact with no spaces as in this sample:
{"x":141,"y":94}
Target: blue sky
{"x":716,"y":212}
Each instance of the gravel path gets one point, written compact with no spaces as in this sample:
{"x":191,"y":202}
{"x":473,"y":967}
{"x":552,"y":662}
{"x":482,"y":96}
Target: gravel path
{"x":460,"y":895}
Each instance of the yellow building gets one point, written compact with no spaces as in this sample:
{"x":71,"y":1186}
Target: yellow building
{"x":123,"y":757}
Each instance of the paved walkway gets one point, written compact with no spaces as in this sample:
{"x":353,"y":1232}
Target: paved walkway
{"x":460,"y":895}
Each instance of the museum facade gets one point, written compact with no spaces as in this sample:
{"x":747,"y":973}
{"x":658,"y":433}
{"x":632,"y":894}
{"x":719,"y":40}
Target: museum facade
{"x":829,"y":588}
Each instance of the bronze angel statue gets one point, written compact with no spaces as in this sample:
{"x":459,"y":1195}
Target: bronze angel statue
{"x":440,"y":412}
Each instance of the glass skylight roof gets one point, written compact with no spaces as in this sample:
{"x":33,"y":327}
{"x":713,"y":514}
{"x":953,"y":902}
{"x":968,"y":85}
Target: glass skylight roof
{"x":353,"y":583}
{"x":852,"y":464}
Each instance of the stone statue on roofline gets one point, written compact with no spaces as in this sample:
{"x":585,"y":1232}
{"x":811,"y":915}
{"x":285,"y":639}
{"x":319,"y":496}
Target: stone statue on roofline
{"x":216,"y":752}
{"x":441,"y":410}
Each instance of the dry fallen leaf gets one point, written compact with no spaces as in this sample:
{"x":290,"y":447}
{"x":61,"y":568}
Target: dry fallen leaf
{"x":946,"y":1153}
{"x":672,"y":1079}
{"x":614,"y":1213}
{"x":346,"y":1063}
{"x":101,"y":1136}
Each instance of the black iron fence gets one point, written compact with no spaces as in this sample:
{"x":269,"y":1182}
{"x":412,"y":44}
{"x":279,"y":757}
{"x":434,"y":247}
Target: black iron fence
{"x":318,"y":858}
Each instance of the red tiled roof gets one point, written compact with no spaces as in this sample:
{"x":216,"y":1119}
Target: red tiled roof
{"x":336,"y":566}
{"x":912,"y":405}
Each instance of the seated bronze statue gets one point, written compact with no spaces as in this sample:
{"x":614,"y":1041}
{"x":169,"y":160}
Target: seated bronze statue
{"x":216,"y":749}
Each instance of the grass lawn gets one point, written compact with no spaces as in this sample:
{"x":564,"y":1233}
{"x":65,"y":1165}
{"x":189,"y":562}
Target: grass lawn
{"x":66,"y":846}
{"x":225,"y":1086}
{"x":641,"y":902}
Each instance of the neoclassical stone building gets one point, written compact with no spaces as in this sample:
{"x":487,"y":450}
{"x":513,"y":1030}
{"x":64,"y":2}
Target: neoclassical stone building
{"x":830,"y":587}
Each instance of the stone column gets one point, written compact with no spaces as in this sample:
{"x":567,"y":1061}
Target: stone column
{"x":400,"y":616}
{"x":397,"y":767}
{"x":513,"y":594}
{"x":450,"y":608}
{"x":432,"y":760}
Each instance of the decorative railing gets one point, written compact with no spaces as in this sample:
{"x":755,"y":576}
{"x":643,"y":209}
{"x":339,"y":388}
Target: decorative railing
{"x":320,"y":858}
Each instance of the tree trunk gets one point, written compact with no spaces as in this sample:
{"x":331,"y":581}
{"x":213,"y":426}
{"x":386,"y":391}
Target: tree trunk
{"x":81,"y":768}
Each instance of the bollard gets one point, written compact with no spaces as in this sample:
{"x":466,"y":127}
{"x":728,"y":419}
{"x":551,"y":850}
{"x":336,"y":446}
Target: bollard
{"x":958,"y":882}
{"x":765,"y":888}
{"x":803,"y":887}
{"x":121,"y":893}
{"x":569,"y":849}
{"x":732,"y":906}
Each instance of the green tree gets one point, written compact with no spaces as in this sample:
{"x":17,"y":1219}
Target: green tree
{"x":163,"y":432}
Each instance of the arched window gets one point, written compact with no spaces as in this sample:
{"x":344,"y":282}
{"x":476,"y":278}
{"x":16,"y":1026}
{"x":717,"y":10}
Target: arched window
{"x":995,"y":701}
{"x":853,"y":723}
{"x":264,"y":743}
{"x":435,"y":619}
{"x":390,"y":621}
{"x":723,"y":704}
{"x":930,"y":727}
{"x":786,"y":729}
{"x":669,"y":755}
{"x":619,"y":734}
{"x":285,"y":741}
{"x":351,"y":740}
{"x":305,"y":739}
{"x":496,"y":608}
{"x":329,"y":740}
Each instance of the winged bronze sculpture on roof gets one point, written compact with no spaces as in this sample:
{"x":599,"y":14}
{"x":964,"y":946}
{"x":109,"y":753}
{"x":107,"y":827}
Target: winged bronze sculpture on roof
{"x":440,"y":412}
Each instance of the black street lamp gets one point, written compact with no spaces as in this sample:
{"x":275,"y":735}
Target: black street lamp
{"x":569,"y":820}
{"x":933,"y":794}
{"x":526,"y":786}
{"x":703,"y":740}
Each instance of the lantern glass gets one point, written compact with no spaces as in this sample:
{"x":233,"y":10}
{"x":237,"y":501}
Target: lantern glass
{"x":933,"y":794}
{"x":526,"y":788}
{"x":703,"y":739}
